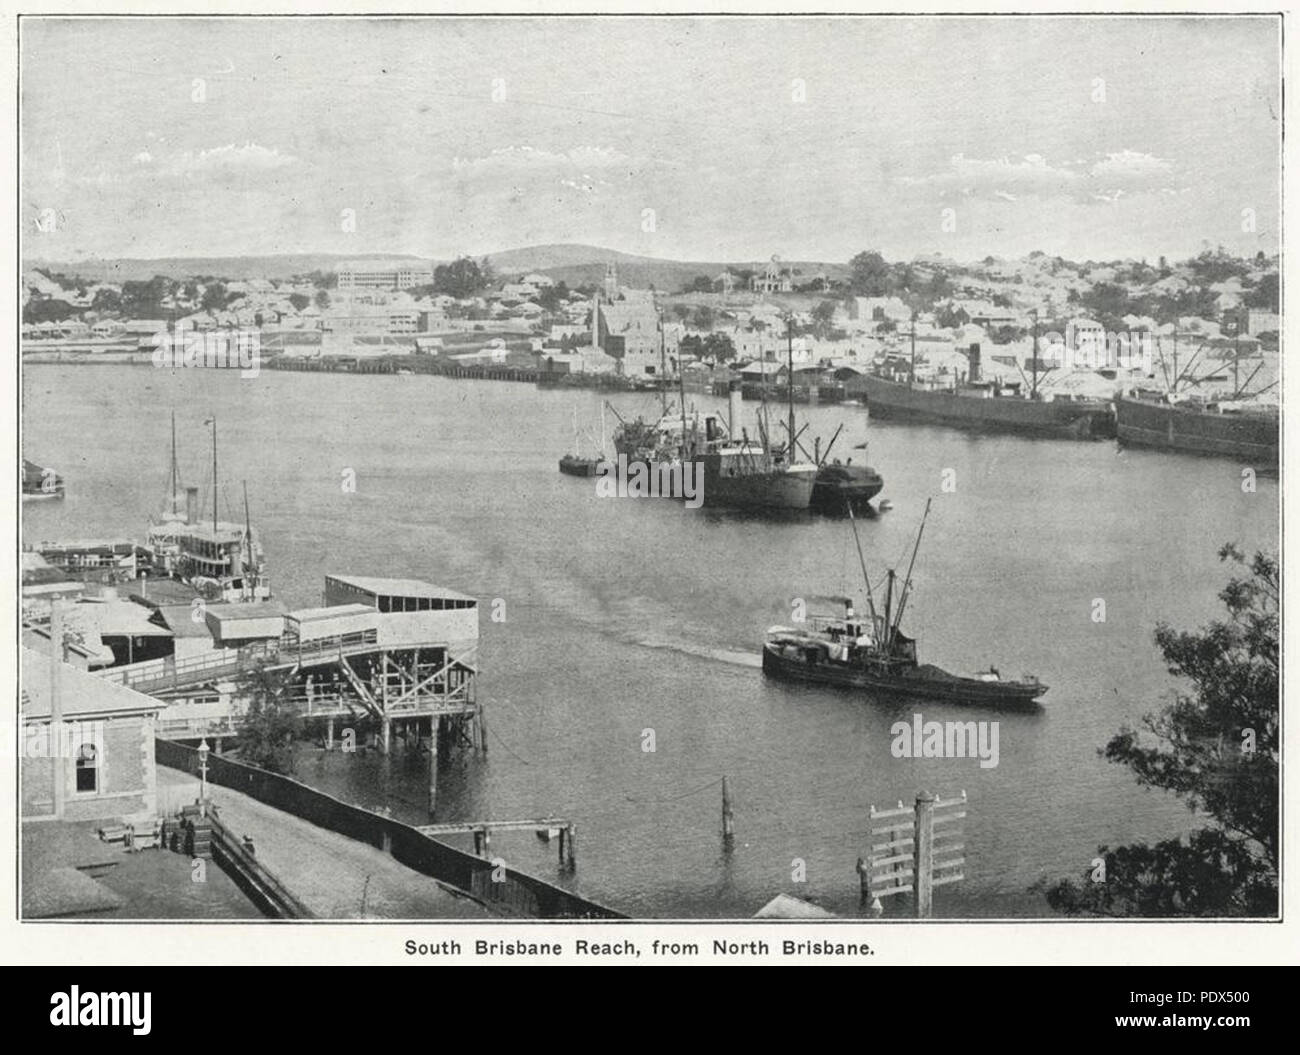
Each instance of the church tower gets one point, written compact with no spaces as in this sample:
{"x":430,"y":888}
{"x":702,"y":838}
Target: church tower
{"x":611,"y":282}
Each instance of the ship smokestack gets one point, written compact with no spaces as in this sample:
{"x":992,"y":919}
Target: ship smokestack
{"x":191,"y":505}
{"x":733,"y":409}
{"x":975,"y":361}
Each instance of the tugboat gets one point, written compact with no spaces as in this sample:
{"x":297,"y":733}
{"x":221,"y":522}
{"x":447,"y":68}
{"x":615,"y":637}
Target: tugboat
{"x":874,"y":654}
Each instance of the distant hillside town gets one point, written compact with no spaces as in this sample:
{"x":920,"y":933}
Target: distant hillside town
{"x":827,"y":317}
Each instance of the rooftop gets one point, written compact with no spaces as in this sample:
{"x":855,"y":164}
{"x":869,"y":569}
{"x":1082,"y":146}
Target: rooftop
{"x":398,"y":587}
{"x":82,"y":693}
{"x":308,"y":615}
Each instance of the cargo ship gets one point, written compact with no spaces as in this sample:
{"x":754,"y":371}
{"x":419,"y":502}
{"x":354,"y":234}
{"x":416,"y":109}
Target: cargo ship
{"x":1231,"y":428}
{"x":976,"y":403}
{"x":739,"y":472}
{"x":873,"y":654}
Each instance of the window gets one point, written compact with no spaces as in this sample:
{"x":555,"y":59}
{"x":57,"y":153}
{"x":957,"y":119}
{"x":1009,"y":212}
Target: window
{"x":87,"y":768}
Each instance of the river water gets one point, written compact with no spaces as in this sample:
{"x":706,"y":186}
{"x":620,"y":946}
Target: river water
{"x":624,"y":616}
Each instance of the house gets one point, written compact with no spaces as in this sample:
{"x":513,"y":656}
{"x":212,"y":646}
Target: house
{"x":773,"y":278}
{"x":879,"y":309}
{"x":97,"y":761}
{"x":628,"y":330}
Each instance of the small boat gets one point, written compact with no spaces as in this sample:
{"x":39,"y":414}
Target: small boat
{"x":874,"y":654}
{"x":578,"y":465}
{"x":574,"y":465}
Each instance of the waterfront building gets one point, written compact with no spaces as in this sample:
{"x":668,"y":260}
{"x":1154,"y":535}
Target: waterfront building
{"x":100,"y":752}
{"x":383,"y":274}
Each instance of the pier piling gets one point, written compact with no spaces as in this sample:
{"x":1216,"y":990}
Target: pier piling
{"x":923,"y":854}
{"x":728,"y":818}
{"x":433,"y":768}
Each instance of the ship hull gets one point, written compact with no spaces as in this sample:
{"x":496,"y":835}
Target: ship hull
{"x":777,"y":489}
{"x":1250,"y":438}
{"x":916,"y":682}
{"x":839,"y":487}
{"x":1070,"y":419}
{"x":579,"y":466}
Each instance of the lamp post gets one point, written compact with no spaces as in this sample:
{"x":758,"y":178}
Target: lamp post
{"x":203,"y":777}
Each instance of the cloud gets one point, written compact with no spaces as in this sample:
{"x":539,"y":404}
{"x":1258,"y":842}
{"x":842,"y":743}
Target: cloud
{"x":230,"y":159}
{"x":143,"y":158}
{"x":579,"y":160}
{"x":1105,"y":178}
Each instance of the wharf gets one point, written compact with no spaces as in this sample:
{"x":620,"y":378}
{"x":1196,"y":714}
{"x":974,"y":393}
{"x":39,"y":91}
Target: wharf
{"x":333,"y":876}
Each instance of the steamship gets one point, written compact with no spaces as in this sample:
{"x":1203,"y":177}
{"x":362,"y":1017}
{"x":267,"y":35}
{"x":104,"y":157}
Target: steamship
{"x":222,"y":560}
{"x":1229,"y":428}
{"x":894,"y":393}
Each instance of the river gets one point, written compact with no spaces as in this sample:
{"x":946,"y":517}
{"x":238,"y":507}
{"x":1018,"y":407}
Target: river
{"x":625,"y":616}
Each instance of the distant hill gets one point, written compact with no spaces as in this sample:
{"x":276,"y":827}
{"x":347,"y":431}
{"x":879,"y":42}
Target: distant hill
{"x":284,"y":266}
{"x":576,"y":265}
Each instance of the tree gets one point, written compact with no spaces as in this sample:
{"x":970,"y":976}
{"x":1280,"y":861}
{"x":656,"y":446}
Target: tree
{"x":823,"y":315}
{"x":949,"y":317}
{"x":47,"y":309}
{"x":718,"y":347}
{"x":870,"y":276}
{"x":143,"y":300}
{"x":1265,"y":295}
{"x":552,"y":298}
{"x":322,"y":299}
{"x":1216,"y":748}
{"x":462,"y":278}
{"x":699,"y":284}
{"x":271,"y":723}
{"x":702,"y":317}
{"x":106,"y":301}
{"x":214,"y":297}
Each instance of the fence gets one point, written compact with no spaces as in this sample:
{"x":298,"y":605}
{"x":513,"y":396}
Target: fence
{"x":514,"y":892}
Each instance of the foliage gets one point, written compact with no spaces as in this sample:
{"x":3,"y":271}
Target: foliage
{"x":144,"y":300}
{"x":270,"y":724}
{"x":552,"y":298}
{"x":462,"y":278}
{"x":1266,"y":296}
{"x":715,"y":347}
{"x":870,"y":274}
{"x":299,"y":300}
{"x":1217,"y":749}
{"x":47,"y":309}
{"x":702,"y":317}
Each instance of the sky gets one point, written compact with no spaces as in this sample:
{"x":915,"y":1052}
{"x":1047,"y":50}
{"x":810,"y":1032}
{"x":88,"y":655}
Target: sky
{"x":710,"y":139}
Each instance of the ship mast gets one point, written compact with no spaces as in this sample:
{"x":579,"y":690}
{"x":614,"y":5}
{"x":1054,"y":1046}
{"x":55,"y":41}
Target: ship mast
{"x":174,"y":472}
{"x":1033,"y":392}
{"x":907,"y":582}
{"x":214,"y":476}
{"x":871,"y":604}
{"x":789,"y":378}
{"x":663,"y":369}
{"x":911,"y":374}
